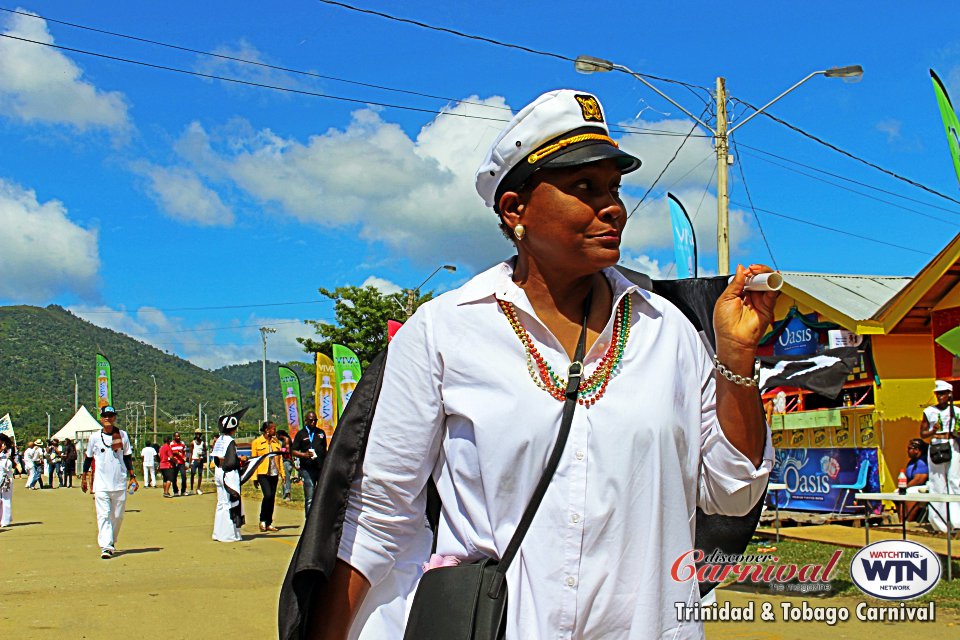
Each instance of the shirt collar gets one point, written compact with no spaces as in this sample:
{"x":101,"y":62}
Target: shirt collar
{"x":497,"y":282}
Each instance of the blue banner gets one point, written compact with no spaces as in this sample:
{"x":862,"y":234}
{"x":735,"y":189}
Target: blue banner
{"x":816,"y":478}
{"x":684,"y":239}
{"x":797,"y":339}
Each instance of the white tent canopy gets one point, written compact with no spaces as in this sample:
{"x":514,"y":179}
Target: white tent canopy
{"x":82,"y":421}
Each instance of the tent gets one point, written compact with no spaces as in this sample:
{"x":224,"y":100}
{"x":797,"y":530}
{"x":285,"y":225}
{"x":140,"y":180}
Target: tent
{"x":81,"y":422}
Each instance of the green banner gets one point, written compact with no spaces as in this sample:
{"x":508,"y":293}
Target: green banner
{"x":950,"y":122}
{"x":326,"y":396}
{"x":347,"y":367}
{"x":292,"y":402}
{"x":104,"y":386}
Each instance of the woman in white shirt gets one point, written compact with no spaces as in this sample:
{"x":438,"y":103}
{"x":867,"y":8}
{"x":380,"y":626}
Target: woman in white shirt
{"x":939,"y":423}
{"x":470,"y":397}
{"x":6,"y":480}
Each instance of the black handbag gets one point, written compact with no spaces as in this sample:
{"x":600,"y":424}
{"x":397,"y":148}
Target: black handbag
{"x":469,"y":601}
{"x":941,"y":453}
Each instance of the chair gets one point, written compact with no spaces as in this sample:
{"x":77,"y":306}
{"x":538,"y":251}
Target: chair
{"x":859,"y":485}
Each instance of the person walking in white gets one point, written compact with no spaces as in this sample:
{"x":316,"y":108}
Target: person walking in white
{"x":940,"y":424}
{"x":149,"y":455}
{"x":28,"y":465}
{"x":6,"y":479}
{"x":110,"y":450}
{"x":34,"y":456}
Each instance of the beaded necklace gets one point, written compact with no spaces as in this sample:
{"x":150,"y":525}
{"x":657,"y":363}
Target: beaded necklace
{"x":591,"y":389}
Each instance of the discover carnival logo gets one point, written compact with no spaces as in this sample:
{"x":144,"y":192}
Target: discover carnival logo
{"x":895,"y":569}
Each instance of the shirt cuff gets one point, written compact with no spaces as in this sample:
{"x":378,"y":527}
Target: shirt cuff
{"x":730,"y":483}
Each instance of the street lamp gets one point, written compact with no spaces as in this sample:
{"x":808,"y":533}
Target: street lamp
{"x":154,"y":407}
{"x":413,"y":294}
{"x":721,"y":136}
{"x":263,"y":334}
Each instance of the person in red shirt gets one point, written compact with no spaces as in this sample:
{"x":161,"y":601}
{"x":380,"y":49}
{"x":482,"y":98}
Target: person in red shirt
{"x":166,"y":467}
{"x":178,"y":455}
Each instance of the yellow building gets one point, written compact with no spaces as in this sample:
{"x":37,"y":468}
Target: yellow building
{"x":900,"y":317}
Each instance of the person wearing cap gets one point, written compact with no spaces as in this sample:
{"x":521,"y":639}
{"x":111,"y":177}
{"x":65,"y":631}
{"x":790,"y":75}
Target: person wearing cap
{"x":34,"y":459}
{"x":110,"y":450}
{"x":472,"y":396}
{"x":228,"y":517}
{"x":939,"y":423}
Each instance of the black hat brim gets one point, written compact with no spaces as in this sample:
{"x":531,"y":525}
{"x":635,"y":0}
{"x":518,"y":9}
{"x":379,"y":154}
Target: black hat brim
{"x":595,"y":152}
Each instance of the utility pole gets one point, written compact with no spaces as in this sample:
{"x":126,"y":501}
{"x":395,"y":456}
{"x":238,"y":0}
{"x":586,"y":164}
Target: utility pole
{"x":722,"y":144}
{"x":48,"y":427}
{"x":154,"y":407}
{"x":411,"y":300}
{"x":263,"y":334}
{"x":76,"y":394}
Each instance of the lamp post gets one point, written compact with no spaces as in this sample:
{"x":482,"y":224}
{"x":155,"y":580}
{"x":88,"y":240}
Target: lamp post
{"x":76,"y":394}
{"x":263,"y":334}
{"x":413,"y":294}
{"x":721,"y":134}
{"x":154,"y":407}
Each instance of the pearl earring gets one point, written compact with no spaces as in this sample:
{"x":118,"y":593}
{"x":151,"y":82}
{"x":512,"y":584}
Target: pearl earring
{"x":519,"y":232}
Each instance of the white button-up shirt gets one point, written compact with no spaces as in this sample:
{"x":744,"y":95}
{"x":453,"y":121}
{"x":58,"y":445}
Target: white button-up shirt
{"x":458,"y":402}
{"x":111,"y":471}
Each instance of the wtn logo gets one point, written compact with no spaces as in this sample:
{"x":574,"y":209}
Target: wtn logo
{"x":895,"y":569}
{"x":903,"y":570}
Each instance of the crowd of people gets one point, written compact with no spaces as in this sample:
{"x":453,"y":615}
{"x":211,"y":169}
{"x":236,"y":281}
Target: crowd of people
{"x":54,"y":459}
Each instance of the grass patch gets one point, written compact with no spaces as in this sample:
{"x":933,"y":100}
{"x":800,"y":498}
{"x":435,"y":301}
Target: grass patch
{"x":945,"y":594}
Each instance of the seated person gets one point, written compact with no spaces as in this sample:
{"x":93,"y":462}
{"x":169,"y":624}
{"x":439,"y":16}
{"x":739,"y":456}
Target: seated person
{"x":916,"y":471}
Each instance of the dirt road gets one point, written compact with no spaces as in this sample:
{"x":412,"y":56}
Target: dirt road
{"x":170,"y":580}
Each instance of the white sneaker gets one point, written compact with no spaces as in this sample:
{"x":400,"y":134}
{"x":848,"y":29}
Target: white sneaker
{"x":106,"y":554}
{"x":199,"y":493}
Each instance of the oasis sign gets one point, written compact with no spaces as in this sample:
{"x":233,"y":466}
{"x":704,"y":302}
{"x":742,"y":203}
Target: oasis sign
{"x":812,"y":476}
{"x":797,"y":339}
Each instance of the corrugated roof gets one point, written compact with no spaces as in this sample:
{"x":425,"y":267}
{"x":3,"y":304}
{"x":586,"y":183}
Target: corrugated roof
{"x":857,"y":297}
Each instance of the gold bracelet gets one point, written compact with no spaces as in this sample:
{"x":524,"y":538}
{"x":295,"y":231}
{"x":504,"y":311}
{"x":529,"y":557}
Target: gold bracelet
{"x":743,"y":381}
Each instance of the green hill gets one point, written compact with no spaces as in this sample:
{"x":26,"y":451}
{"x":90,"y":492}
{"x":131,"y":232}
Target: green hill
{"x":42,"y":349}
{"x":250,"y":377}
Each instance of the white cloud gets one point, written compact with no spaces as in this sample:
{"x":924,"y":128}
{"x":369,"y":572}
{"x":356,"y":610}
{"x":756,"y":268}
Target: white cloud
{"x":414,"y":195}
{"x":40,"y":84}
{"x":43,"y":253}
{"x":647,"y":265}
{"x":244,"y":50}
{"x":183,"y":196}
{"x":384,"y":286}
{"x":891,"y":128}
{"x":692,"y":167}
{"x":208,"y":344}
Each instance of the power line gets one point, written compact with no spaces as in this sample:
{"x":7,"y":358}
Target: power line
{"x":835,"y":230}
{"x":680,"y":179}
{"x":241,"y":326}
{"x":763,"y":235}
{"x":246,"y":61}
{"x":859,"y":193}
{"x":261,"y":85}
{"x":213,"y":308}
{"x":844,"y":178}
{"x":849,"y":155}
{"x":499,"y":43}
{"x":666,"y":166}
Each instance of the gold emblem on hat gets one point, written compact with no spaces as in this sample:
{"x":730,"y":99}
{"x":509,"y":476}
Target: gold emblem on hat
{"x":590,"y":108}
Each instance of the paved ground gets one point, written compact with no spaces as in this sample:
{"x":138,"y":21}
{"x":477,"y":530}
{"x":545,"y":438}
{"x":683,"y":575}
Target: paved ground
{"x":172,"y":581}
{"x":170,"y":578}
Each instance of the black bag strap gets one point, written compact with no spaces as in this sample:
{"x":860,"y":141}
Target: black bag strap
{"x":575,"y":372}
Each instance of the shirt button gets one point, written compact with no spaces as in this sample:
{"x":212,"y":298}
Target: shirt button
{"x":575,"y":518}
{"x":571,"y":581}
{"x":580,"y":454}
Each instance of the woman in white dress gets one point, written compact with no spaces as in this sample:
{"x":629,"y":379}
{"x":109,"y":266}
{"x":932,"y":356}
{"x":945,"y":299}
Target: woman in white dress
{"x":229,"y":514}
{"x":6,"y":479}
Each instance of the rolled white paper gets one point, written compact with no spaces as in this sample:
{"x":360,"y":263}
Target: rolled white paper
{"x":763,"y":282}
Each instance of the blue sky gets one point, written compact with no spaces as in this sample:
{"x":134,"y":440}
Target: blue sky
{"x":134,"y":195}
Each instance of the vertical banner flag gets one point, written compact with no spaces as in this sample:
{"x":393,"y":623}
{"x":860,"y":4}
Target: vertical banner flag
{"x":292,"y":402}
{"x":6,"y":426}
{"x":950,"y":122}
{"x":347,"y":365}
{"x":684,"y":239}
{"x":326,"y":395}
{"x":104,"y":387}
{"x":392,"y":327}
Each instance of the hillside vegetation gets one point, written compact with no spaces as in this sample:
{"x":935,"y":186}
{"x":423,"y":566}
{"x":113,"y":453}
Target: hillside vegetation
{"x":42,"y":348}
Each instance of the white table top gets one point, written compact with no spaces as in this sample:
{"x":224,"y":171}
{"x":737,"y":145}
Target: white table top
{"x":910,"y":497}
{"x":776,"y":486}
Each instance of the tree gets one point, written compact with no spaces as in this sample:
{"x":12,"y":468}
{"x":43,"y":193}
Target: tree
{"x":361,"y":321}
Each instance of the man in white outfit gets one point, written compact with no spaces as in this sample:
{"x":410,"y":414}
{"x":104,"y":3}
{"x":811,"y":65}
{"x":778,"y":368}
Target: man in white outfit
{"x":109,"y":449}
{"x":939,"y":423}
{"x":149,"y":456}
